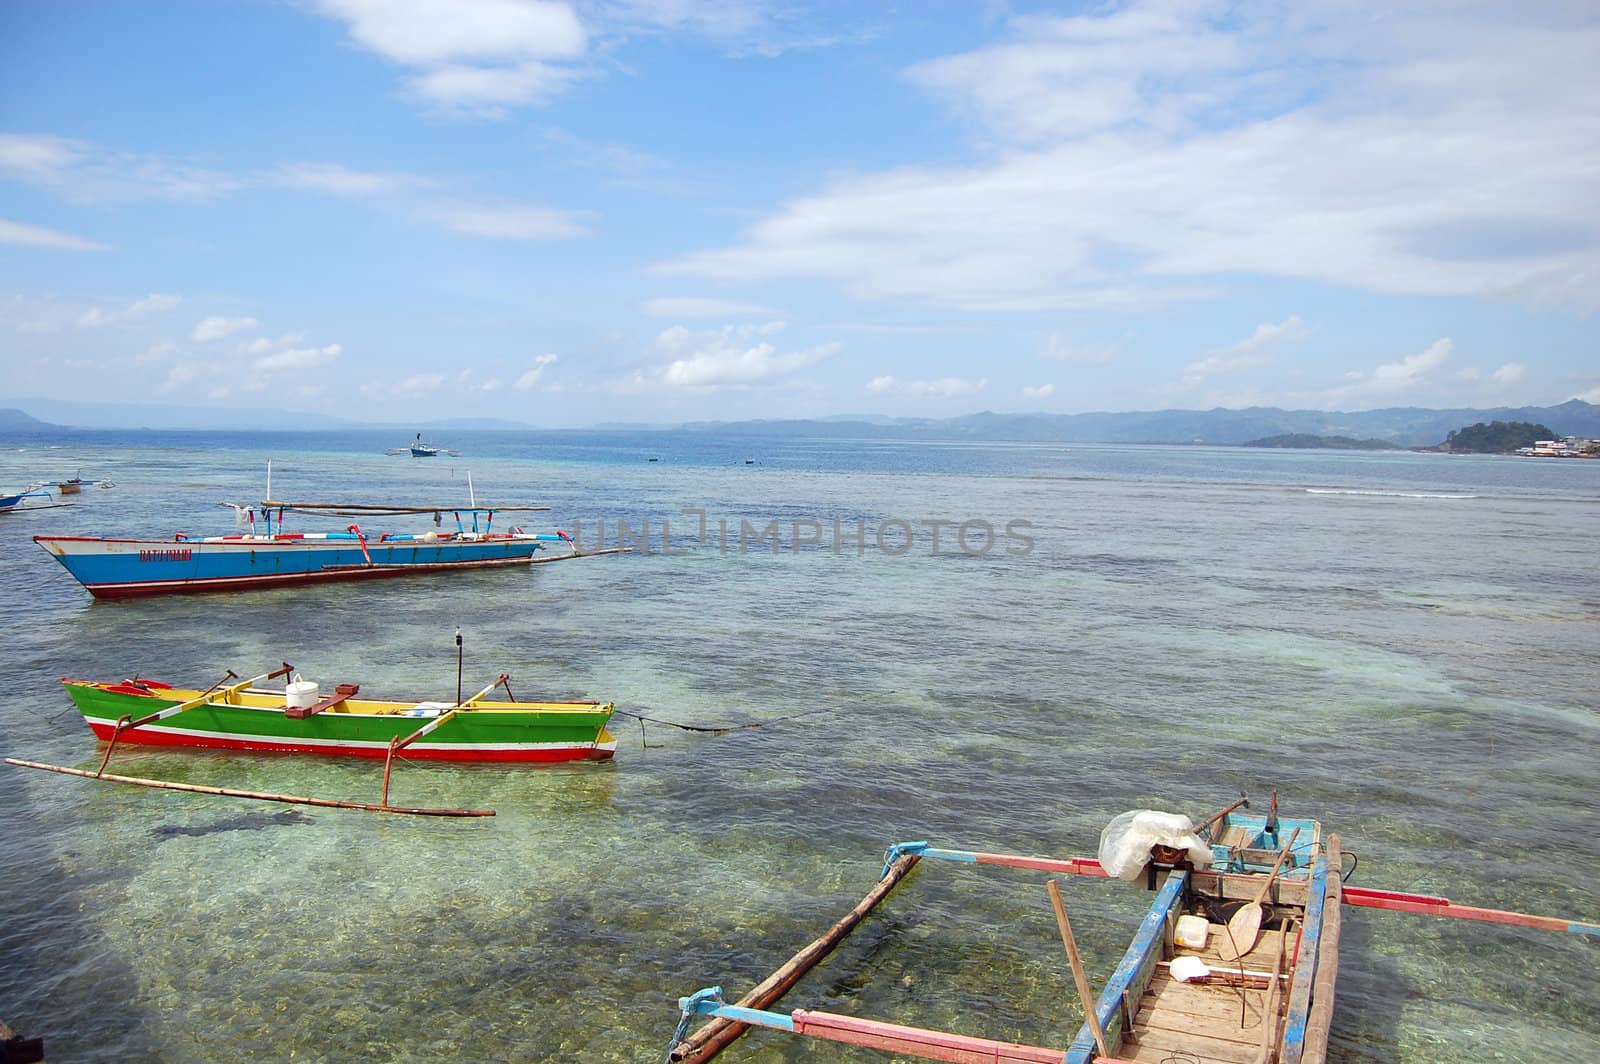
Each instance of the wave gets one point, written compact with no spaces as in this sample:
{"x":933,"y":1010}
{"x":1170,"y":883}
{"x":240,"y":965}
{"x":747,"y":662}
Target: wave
{"x":1389,"y":494}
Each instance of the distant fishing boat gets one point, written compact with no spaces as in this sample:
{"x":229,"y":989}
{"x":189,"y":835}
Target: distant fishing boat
{"x":71,"y":487}
{"x":126,"y":568}
{"x":242,"y":715}
{"x":1235,"y":960}
{"x":420,"y":449}
{"x":19,"y":502}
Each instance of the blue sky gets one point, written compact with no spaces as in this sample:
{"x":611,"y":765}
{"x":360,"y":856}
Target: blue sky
{"x":668,"y":210}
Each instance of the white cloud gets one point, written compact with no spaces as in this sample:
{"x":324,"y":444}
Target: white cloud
{"x":180,"y":374}
{"x":37,"y":158}
{"x":1510,"y":373}
{"x":530,"y":379}
{"x":1393,"y":380}
{"x":509,"y":222}
{"x":1289,"y":329}
{"x":154,"y":303}
{"x":297,"y":358}
{"x":216,"y":327}
{"x":422,"y":32}
{"x":693,"y":307}
{"x":734,"y":356}
{"x":34,"y":236}
{"x":469,"y":53}
{"x":1058,"y":347}
{"x":418,"y":384}
{"x":943,"y":388}
{"x":486,"y":89}
{"x":81,"y":172}
{"x":1038,"y":391}
{"x":1134,"y":153}
{"x":339,"y":180}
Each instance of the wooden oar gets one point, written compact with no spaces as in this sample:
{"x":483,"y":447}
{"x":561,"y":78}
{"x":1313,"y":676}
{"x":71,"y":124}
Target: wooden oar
{"x":1245,"y":925}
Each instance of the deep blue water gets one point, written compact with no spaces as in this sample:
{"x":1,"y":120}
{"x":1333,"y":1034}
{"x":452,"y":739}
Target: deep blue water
{"x":1403,"y":645}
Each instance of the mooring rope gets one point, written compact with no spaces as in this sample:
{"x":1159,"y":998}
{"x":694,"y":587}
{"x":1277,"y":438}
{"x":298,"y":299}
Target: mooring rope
{"x":718,"y":729}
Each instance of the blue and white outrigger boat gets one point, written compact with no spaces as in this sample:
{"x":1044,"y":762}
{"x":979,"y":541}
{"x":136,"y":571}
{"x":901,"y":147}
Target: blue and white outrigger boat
{"x":19,"y":502}
{"x":126,"y":568}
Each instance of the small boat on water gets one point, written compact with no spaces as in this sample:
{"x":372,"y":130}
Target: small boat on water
{"x":298,"y":718}
{"x":1234,"y":961}
{"x":18,"y":502}
{"x":125,"y":568}
{"x":70,"y":487}
{"x":418,"y":448}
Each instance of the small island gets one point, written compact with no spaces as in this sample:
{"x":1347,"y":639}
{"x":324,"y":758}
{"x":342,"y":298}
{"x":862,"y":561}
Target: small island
{"x":1495,"y":437}
{"x":1308,"y":441}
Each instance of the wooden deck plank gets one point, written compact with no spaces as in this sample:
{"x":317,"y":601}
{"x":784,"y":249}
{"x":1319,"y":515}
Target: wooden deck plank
{"x":1158,"y":1045}
{"x":1218,"y":1002}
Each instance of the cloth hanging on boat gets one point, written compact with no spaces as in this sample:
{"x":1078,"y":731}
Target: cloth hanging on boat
{"x":1125,"y":843}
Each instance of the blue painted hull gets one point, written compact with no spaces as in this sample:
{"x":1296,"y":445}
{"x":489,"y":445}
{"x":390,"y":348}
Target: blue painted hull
{"x":123,"y":568}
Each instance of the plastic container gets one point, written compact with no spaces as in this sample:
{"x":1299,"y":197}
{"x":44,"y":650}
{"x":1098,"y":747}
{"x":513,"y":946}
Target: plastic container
{"x":299,"y":694}
{"x":1191,"y":931}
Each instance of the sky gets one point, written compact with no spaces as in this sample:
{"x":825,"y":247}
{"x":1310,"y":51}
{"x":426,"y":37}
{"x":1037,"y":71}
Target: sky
{"x":658,"y":211}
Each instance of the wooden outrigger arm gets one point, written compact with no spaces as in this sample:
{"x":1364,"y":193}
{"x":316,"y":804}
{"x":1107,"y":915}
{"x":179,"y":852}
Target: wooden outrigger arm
{"x":400,"y":743}
{"x":216,"y":690}
{"x":715,"y":1036}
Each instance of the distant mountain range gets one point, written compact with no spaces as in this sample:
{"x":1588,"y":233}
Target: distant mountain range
{"x":1403,"y":426}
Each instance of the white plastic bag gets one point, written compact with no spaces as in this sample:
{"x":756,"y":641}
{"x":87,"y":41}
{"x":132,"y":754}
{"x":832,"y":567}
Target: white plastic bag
{"x":1126,"y":841}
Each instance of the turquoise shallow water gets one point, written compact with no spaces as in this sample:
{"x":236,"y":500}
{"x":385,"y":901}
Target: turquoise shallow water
{"x":1406,"y":646}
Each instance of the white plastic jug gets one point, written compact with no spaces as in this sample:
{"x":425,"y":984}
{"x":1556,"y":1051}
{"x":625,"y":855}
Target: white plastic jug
{"x":298,"y":693}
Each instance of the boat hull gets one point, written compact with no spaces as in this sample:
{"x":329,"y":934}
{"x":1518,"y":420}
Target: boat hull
{"x":128,"y":568}
{"x":526,"y":732}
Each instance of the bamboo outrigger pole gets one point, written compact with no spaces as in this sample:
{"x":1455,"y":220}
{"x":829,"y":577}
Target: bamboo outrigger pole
{"x":1364,"y":897}
{"x":291,"y":799}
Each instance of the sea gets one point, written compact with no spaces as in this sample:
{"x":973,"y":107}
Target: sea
{"x":816,"y":648}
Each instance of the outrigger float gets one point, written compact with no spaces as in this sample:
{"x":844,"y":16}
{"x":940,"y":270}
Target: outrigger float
{"x":1208,"y":977}
{"x":299,"y":719}
{"x":126,"y":568}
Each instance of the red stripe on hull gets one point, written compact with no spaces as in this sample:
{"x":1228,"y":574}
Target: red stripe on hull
{"x":248,"y":583}
{"x":144,"y":737}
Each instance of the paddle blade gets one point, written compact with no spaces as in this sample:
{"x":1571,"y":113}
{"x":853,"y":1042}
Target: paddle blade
{"x":1241,"y":934}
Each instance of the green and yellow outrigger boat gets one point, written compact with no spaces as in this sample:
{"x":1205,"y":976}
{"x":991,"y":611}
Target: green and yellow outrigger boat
{"x":298,"y":718}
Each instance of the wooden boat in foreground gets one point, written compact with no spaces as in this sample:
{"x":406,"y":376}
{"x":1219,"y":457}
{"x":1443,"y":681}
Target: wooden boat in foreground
{"x":1189,"y":986}
{"x":300,"y":719}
